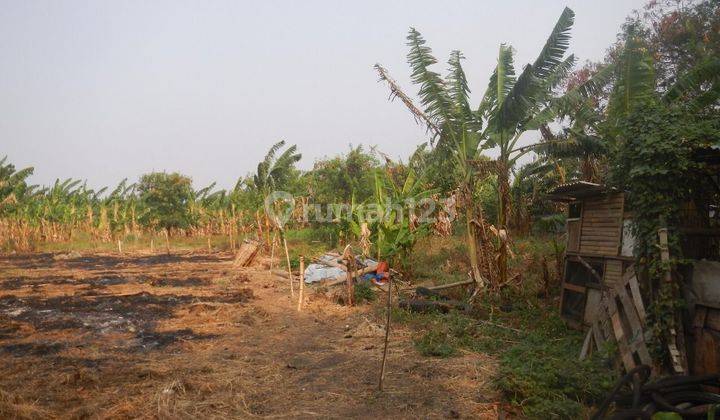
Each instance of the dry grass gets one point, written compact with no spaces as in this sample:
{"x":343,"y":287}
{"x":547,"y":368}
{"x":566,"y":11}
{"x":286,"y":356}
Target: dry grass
{"x":14,"y":407}
{"x":188,"y":336}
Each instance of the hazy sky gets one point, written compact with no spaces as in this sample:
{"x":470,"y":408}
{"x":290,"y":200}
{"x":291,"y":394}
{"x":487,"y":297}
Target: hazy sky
{"x":102,"y":90}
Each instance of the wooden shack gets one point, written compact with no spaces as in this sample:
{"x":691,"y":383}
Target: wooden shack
{"x":599,"y":279}
{"x":599,"y":247}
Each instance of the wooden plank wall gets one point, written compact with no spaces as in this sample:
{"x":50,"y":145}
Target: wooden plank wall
{"x":601,"y":225}
{"x":573,"y":231}
{"x":613,"y":272}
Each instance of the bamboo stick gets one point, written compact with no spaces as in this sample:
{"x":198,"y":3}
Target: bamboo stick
{"x":350,"y":263}
{"x":287,"y":259}
{"x":302,"y":284}
{"x":387,"y":333}
{"x":272,"y":250}
{"x":167,"y":241}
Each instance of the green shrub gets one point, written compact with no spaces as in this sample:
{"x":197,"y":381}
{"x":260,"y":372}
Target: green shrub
{"x":436,"y":343}
{"x":539,"y":371}
{"x":363,"y":293}
{"x":542,"y":375}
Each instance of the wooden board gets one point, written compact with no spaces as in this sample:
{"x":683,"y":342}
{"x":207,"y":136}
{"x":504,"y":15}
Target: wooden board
{"x":598,"y":335}
{"x":246,"y":254}
{"x":586,"y":345}
{"x":601,"y":224}
{"x":637,"y":297}
{"x":592,"y":305}
{"x":613,"y":272}
{"x":573,"y":230}
{"x":636,"y":340}
{"x":620,"y":337}
{"x":620,"y":316}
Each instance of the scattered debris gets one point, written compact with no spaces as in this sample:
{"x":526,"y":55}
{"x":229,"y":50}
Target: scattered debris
{"x":366,"y":329}
{"x":329,"y":269}
{"x":687,"y":396}
{"x":246,"y":254}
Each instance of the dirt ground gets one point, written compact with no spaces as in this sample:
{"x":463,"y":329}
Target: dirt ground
{"x":189,"y":335}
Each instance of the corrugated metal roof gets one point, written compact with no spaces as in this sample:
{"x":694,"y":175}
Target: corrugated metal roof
{"x":578,"y":189}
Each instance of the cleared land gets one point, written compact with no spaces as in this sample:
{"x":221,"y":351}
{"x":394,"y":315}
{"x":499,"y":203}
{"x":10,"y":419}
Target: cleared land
{"x":189,"y":335}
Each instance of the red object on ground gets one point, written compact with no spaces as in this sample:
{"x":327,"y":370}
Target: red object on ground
{"x":382,"y":267}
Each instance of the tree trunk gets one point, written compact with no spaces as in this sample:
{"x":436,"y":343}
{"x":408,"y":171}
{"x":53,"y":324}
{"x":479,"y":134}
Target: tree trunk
{"x":503,"y":207}
{"x":472,"y":245}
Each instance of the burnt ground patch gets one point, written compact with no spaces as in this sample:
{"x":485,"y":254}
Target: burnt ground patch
{"x":17,"y":282}
{"x":91,"y":262}
{"x":104,"y":281}
{"x":152,"y":340}
{"x":102,"y":313}
{"x":34,"y":260}
{"x":8,"y":329}
{"x":137,"y":314}
{"x":39,"y":348}
{"x":12,"y":284}
{"x":171,"y":282}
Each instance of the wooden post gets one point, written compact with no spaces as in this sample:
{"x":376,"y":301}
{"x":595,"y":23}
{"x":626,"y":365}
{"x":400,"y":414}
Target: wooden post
{"x":302,"y":284}
{"x":152,"y":245}
{"x":119,"y":246}
{"x":272,"y":250}
{"x":167,"y":241}
{"x":208,"y":243}
{"x":287,"y":259}
{"x":387,"y":331}
{"x":350,"y":264}
{"x":676,"y":338}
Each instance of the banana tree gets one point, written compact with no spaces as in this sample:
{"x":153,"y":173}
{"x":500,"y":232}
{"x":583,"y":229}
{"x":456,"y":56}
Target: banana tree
{"x":392,"y":222}
{"x":453,"y":127}
{"x":511,"y":106}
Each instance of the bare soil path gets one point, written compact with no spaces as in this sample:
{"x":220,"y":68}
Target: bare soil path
{"x":190,"y":336}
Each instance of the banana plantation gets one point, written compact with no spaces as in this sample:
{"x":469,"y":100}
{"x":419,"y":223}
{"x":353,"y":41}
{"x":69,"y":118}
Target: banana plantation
{"x":550,"y":249}
{"x":33,"y":215}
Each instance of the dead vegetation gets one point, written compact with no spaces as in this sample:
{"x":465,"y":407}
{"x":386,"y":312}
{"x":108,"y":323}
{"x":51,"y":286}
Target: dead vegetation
{"x":190,"y":335}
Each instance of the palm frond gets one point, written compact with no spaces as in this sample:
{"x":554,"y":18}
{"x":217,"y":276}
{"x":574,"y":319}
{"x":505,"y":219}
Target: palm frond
{"x":457,"y":84}
{"x":535,"y":84}
{"x":556,"y":45}
{"x":433,"y":92}
{"x":501,"y":81}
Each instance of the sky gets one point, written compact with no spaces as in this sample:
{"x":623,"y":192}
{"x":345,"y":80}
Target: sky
{"x":106,"y":90}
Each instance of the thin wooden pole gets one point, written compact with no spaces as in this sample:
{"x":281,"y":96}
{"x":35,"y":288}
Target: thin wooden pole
{"x":167,"y":240}
{"x":287,"y":259}
{"x":208,"y":243}
{"x":302,"y":284}
{"x":350,"y":264}
{"x":272,"y":249}
{"x":119,"y":246}
{"x":152,"y":245}
{"x":387,"y":332}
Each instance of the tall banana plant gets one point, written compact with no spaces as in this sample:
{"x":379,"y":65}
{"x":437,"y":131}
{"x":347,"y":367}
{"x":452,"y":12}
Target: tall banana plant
{"x":394,"y":230}
{"x":511,"y":106}
{"x":275,"y":170}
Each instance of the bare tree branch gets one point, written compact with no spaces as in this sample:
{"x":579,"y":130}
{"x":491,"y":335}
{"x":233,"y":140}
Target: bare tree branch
{"x":395,"y":92}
